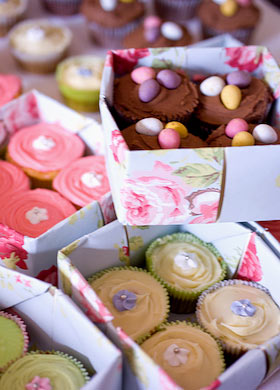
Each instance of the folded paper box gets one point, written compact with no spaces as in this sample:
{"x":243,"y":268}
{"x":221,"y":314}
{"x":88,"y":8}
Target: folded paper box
{"x":37,"y":256}
{"x":163,"y":187}
{"x":54,"y":322}
{"x":249,"y":251}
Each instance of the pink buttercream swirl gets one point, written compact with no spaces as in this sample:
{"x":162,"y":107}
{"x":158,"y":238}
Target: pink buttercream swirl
{"x":12,"y":178}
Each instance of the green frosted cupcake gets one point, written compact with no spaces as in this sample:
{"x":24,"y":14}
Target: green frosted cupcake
{"x":189,"y":355}
{"x":51,"y":369}
{"x":79,"y":80}
{"x":186,"y":266}
{"x":138,"y":302}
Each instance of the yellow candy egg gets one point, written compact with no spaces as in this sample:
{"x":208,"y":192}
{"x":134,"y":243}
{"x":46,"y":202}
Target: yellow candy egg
{"x":231,"y":97}
{"x":179,"y":127}
{"x":229,"y":8}
{"x":243,"y":138}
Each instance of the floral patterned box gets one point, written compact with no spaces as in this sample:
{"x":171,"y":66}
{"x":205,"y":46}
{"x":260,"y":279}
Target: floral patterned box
{"x":37,"y":256}
{"x":250,"y":252}
{"x":54,"y":322}
{"x":205,"y":185}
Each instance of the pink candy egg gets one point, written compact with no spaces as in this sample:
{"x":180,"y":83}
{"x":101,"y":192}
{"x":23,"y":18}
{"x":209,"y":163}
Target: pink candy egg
{"x":169,"y":139}
{"x":143,"y":73}
{"x":152,"y":22}
{"x":244,"y":3}
{"x":235,"y":126}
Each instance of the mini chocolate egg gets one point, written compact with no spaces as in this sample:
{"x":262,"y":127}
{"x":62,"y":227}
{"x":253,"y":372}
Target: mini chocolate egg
{"x":108,"y":5}
{"x":149,"y":126}
{"x":171,"y":30}
{"x":265,"y":134}
{"x":148,"y":90}
{"x":231,"y":97}
{"x":212,"y":86}
{"x":235,"y":126}
{"x":240,"y":78}
{"x":169,"y":139}
{"x":243,"y":138}
{"x":229,"y":8}
{"x":179,"y":127}
{"x":143,"y":73}
{"x":169,"y":79}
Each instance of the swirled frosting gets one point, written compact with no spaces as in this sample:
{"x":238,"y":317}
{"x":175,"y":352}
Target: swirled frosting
{"x":12,"y":178}
{"x":217,"y":316}
{"x":151,"y":300}
{"x":83,"y":181}
{"x":200,"y":362}
{"x":62,"y":373}
{"x":45,"y":147}
{"x":33,"y":212}
{"x":10,"y":86}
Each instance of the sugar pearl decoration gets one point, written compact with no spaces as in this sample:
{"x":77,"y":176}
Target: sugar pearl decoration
{"x":149,"y":126}
{"x":265,"y":134}
{"x":169,"y":79}
{"x":231,"y":97}
{"x":243,"y":138}
{"x":212,"y":86}
{"x":143,"y":73}
{"x":108,"y":5}
{"x":235,"y":126}
{"x":240,"y":78}
{"x":171,"y":30}
{"x":169,"y":139}
{"x":148,"y":90}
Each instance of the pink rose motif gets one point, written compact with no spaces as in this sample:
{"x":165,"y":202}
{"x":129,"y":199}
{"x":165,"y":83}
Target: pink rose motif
{"x":108,"y":209}
{"x":49,"y":275}
{"x":125,"y":250}
{"x":166,"y":383}
{"x":11,"y":245}
{"x":250,"y":268}
{"x":204,"y":204}
{"x":39,"y":384}
{"x":125,"y":60}
{"x":118,"y":146}
{"x":157,"y":198}
{"x":244,"y":58}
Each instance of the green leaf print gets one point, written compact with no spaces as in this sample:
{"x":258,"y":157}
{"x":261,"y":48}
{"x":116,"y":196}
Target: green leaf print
{"x":198,"y":175}
{"x":211,"y":154}
{"x":157,"y":63}
{"x":159,"y":50}
{"x":135,"y":243}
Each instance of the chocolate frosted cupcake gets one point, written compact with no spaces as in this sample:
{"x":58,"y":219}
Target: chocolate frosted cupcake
{"x":62,"y":7}
{"x":242,"y":315}
{"x":176,"y":9}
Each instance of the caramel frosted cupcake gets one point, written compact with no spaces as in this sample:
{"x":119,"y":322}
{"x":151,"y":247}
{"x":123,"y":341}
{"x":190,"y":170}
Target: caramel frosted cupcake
{"x":191,"y":357}
{"x":12,"y":178}
{"x":186,"y":266}
{"x":242,"y":315}
{"x":39,"y":45}
{"x":11,"y":11}
{"x":138,"y":302}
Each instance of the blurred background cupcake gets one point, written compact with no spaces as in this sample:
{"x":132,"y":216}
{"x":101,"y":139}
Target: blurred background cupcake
{"x":177,"y":10}
{"x":10,"y":88}
{"x":11,"y":11}
{"x":62,"y":7}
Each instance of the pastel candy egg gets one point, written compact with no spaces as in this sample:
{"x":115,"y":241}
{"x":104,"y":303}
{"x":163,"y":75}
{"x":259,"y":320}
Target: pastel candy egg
{"x":152,"y":34}
{"x":265,"y":134}
{"x":219,"y":1}
{"x":149,"y":126}
{"x":108,"y":5}
{"x":179,"y":127}
{"x":244,"y":3}
{"x":148,"y":90}
{"x":152,"y":22}
{"x":239,"y":78}
{"x":169,"y":139}
{"x":169,"y":79}
{"x":235,"y":126}
{"x":212,"y":86}
{"x":171,"y":30}
{"x":231,"y":97}
{"x":229,"y":8}
{"x":243,"y":138}
{"x":143,"y":73}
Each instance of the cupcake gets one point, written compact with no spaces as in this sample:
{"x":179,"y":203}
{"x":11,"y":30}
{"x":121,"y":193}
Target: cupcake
{"x":4,"y":137}
{"x":155,"y":32}
{"x":10,"y":87}
{"x":236,"y":17}
{"x":165,"y":94}
{"x":42,"y":150}
{"x":242,"y":315}
{"x":186,"y":266}
{"x":83,"y":181}
{"x":138,"y":302}
{"x":11,"y":11}
{"x":12,"y":178}
{"x":39,"y":45}
{"x":62,"y":7}
{"x":14,"y":340}
{"x":109,"y":21}
{"x":176,"y":9}
{"x":45,"y":370}
{"x":33,"y":212}
{"x":79,"y":80}
{"x":190,"y":356}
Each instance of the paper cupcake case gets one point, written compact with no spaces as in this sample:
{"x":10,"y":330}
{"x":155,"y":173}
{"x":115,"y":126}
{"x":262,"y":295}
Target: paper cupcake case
{"x":203,"y":185}
{"x":246,"y":247}
{"x":46,"y":311}
{"x":37,"y":256}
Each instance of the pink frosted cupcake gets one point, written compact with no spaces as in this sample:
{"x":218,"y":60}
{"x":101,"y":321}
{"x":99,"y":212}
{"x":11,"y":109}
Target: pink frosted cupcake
{"x":42,"y":150}
{"x":10,"y":88}
{"x":83,"y":181}
{"x":33,"y":212}
{"x":12,"y":178}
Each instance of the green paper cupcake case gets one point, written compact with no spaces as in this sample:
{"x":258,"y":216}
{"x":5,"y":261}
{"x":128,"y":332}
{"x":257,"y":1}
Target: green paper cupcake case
{"x":182,"y":300}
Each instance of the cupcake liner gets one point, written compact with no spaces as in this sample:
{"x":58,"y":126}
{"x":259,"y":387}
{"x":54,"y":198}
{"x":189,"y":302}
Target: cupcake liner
{"x":183,"y":301}
{"x":233,"y":349}
{"x":22,"y":327}
{"x":8,"y":21}
{"x":242,"y":34}
{"x":177,"y":10}
{"x":62,"y":7}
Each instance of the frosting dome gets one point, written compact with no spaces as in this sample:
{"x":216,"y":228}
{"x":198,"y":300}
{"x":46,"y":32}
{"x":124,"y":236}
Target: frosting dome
{"x":12,"y":178}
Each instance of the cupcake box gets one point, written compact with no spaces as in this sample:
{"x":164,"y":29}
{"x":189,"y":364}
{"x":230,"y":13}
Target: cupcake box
{"x":162,"y":187}
{"x":249,"y":251}
{"x":54,"y":322}
{"x":37,"y":256}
